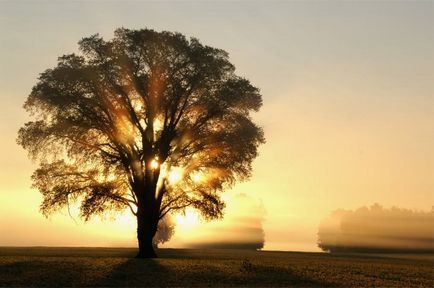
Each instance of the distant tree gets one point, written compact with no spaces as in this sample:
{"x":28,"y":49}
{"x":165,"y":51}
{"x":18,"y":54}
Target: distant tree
{"x":165,"y":231}
{"x":376,"y":229}
{"x":113,"y":123}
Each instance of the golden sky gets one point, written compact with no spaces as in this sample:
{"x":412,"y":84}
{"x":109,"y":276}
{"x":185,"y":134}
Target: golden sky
{"x":348,"y":108}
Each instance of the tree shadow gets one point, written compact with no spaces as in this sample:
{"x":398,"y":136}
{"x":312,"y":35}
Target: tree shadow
{"x":172,"y":272}
{"x":136,"y":273}
{"x":202,"y":268}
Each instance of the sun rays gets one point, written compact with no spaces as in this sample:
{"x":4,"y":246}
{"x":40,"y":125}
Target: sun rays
{"x":188,"y":220}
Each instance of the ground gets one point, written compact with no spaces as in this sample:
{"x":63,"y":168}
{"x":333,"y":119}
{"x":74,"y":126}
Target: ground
{"x":183,"y":267}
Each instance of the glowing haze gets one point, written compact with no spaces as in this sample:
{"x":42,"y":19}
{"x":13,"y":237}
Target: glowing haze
{"x":348,"y":111}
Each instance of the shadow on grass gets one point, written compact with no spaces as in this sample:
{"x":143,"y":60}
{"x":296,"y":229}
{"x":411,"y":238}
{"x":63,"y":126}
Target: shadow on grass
{"x":41,"y":273}
{"x":180,"y":273}
{"x":168,"y":271}
{"x":136,"y":273}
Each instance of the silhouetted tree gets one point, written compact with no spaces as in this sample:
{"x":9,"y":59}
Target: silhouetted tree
{"x":113,"y":122}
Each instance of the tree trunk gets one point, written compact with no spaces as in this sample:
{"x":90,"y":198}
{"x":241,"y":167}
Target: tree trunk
{"x":148,"y":210}
{"x":146,"y":228}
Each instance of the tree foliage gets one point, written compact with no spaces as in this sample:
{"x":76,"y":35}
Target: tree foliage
{"x":112,"y":121}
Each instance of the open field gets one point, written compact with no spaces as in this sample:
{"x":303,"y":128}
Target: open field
{"x":183,"y":267}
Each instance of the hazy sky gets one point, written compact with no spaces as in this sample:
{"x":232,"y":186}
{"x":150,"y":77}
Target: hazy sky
{"x":348,"y":109}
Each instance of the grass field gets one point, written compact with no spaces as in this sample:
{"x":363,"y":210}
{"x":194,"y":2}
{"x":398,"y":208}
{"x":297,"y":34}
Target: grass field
{"x":183,"y":267}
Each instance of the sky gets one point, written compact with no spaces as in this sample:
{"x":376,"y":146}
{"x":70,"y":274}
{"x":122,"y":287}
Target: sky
{"x":348,"y":108}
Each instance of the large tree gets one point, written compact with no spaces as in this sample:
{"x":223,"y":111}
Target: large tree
{"x":115,"y":121}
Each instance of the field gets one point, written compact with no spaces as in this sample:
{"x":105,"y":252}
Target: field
{"x":183,"y":267}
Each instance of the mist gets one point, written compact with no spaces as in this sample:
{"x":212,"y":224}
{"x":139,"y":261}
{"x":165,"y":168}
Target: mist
{"x":377,"y":229}
{"x":240,"y":228}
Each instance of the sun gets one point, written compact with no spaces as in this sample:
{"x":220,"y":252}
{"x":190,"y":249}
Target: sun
{"x":154,"y":163}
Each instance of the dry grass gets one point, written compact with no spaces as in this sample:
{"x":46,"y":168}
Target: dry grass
{"x":182,"y":267}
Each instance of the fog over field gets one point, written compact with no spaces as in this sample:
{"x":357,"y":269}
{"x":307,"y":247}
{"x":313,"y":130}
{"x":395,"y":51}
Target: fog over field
{"x":242,"y":227}
{"x":379,"y":229}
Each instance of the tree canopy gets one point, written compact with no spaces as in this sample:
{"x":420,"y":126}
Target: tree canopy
{"x":114,"y":122}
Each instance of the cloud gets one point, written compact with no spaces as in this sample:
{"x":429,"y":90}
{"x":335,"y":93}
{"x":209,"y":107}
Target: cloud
{"x":376,"y":229}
